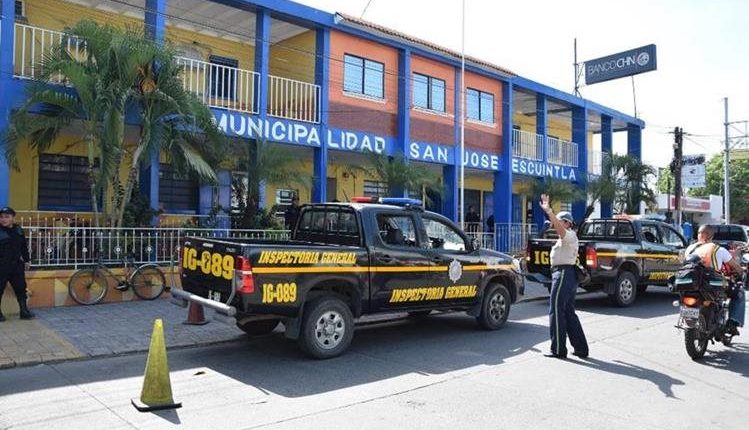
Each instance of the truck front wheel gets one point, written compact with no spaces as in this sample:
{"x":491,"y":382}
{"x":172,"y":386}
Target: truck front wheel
{"x":327,"y":327}
{"x":625,"y":289}
{"x":495,"y":307}
{"x":257,"y":328}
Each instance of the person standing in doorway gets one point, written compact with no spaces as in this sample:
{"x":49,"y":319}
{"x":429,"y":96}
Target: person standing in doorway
{"x":473,"y":220}
{"x":292,"y":213}
{"x":563,"y":320}
{"x":14,"y":260}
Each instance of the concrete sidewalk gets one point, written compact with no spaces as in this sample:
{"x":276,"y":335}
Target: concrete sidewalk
{"x":77,"y":332}
{"x":65,"y":333}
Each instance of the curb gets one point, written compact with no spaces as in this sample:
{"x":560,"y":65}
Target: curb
{"x":13,"y":364}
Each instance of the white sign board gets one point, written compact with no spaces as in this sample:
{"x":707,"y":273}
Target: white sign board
{"x":693,"y":171}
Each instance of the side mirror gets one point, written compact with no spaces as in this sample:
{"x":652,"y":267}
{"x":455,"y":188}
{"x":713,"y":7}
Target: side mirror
{"x":475,"y":244}
{"x":745,"y":258}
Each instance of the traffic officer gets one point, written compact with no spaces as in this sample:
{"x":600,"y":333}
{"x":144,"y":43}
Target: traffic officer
{"x":14,"y":260}
{"x":564,"y":282}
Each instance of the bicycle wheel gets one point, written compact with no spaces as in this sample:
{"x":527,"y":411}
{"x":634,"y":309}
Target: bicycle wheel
{"x":148,"y":282}
{"x":88,"y":286}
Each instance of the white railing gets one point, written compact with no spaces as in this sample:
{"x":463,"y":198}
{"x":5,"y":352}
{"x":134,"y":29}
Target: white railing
{"x":526,"y":144}
{"x":32,"y":44}
{"x":292,"y":99}
{"x":562,"y":152}
{"x":216,"y":85}
{"x":595,"y":163}
{"x":221,"y":86}
{"x":513,"y":238}
{"x":72,"y":247}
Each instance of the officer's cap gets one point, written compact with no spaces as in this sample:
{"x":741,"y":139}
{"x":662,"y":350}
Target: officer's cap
{"x":7,"y":210}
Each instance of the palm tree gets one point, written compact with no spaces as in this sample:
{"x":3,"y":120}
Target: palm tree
{"x":604,"y":187}
{"x":172,"y":119}
{"x":264,"y":163}
{"x":101,"y":85}
{"x":634,"y":185}
{"x":398,"y":174}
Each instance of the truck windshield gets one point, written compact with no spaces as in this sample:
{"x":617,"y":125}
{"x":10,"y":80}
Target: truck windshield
{"x":729,"y":232}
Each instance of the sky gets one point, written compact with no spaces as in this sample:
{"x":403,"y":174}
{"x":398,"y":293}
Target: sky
{"x":701,"y":56}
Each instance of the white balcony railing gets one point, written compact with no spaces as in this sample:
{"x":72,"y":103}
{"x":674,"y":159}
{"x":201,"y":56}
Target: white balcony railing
{"x":527,"y":145}
{"x":562,"y":152}
{"x":288,"y":98}
{"x":221,"y":86}
{"x":595,"y":163}
{"x":216,"y":85}
{"x":32,"y":44}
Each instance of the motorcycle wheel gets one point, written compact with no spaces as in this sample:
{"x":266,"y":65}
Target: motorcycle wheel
{"x":695,"y":342}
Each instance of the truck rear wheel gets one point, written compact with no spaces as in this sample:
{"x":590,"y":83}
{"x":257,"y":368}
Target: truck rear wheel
{"x":327,"y":327}
{"x":257,"y":328}
{"x":495,"y":307}
{"x":625,"y":289}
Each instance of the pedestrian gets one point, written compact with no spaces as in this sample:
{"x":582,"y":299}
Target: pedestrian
{"x":686,"y":230}
{"x":490,"y":223}
{"x":292,"y":213}
{"x":563,"y":320}
{"x":14,"y":260}
{"x":473,"y":219}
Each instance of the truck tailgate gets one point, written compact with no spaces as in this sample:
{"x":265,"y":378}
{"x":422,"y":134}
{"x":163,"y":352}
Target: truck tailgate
{"x":539,"y":260}
{"x":209,"y":262}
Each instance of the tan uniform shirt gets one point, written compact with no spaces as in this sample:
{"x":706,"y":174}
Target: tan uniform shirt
{"x":565,"y":249}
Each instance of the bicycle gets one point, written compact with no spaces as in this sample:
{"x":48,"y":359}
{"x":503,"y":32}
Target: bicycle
{"x":89,"y":286}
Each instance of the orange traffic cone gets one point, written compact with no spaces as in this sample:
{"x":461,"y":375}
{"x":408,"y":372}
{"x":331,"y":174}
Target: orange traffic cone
{"x":157,"y":387}
{"x":195,"y":315}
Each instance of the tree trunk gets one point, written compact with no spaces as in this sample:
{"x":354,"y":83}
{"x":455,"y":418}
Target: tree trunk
{"x":92,"y":181}
{"x":131,"y":174}
{"x":588,"y":211}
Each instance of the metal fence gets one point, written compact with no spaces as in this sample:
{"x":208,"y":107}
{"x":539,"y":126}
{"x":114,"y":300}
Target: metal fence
{"x":513,"y":238}
{"x":72,"y":247}
{"x":562,"y":152}
{"x":288,"y":98}
{"x":527,"y":145}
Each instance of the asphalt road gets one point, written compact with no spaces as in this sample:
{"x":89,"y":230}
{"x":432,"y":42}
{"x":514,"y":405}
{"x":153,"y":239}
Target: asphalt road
{"x":432,"y":374}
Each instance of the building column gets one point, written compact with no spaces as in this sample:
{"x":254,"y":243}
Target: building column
{"x":262,"y":68}
{"x":634,"y":141}
{"x":322,"y":77}
{"x":451,"y":174}
{"x":503,"y":177}
{"x":404,"y":110}
{"x":607,"y":139}
{"x":580,"y":137}
{"x":541,"y":129}
{"x":155,"y":28}
{"x":7,"y":20}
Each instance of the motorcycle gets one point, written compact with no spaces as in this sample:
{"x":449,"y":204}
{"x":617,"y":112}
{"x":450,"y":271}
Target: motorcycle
{"x":704,"y":296}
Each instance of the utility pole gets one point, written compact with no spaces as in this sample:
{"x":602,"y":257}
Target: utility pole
{"x":676,"y":170}
{"x":726,"y":165}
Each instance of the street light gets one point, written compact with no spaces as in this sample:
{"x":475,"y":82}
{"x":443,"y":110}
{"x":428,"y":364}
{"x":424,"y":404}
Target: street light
{"x":462,"y":116}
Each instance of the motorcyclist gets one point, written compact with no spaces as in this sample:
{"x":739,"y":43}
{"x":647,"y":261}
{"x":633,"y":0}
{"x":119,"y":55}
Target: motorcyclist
{"x":718,"y":258}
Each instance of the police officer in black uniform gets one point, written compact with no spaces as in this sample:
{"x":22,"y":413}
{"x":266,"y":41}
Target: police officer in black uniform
{"x":14,"y":260}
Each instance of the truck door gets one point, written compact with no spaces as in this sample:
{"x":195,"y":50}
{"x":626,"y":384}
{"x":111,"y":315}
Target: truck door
{"x":676,"y":244}
{"x":655,"y":254}
{"x":400,"y":266}
{"x":458,"y":266}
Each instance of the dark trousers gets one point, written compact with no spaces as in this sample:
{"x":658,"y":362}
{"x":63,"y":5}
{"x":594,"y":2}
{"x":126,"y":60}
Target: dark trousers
{"x":17,"y":279}
{"x":563,"y":321}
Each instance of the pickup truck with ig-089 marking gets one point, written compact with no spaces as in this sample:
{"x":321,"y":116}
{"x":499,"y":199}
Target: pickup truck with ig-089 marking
{"x":344,"y":261}
{"x":623,"y":255}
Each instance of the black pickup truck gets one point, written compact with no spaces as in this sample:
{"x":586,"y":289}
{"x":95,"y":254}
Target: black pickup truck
{"x":623,"y":256}
{"x":346,"y":260}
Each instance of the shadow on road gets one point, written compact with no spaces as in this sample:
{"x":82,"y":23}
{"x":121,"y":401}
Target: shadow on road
{"x":664,"y":382}
{"x":734,"y":358}
{"x":272,"y":363}
{"x":651,"y":304}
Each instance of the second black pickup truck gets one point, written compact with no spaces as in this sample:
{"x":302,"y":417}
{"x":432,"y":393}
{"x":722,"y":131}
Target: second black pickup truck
{"x":623,"y":256}
{"x":346,"y":260}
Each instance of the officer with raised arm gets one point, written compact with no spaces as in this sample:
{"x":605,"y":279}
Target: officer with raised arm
{"x":564,"y":282}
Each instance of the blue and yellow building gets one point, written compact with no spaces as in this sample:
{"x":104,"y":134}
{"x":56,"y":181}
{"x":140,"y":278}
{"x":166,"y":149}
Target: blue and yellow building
{"x":331,"y":87}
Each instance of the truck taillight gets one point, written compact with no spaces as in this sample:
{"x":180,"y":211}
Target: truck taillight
{"x":244,"y":280}
{"x":591,"y":257}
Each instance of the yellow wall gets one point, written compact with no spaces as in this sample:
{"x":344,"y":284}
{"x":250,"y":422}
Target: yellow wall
{"x":294,"y":58}
{"x":57,"y":15}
